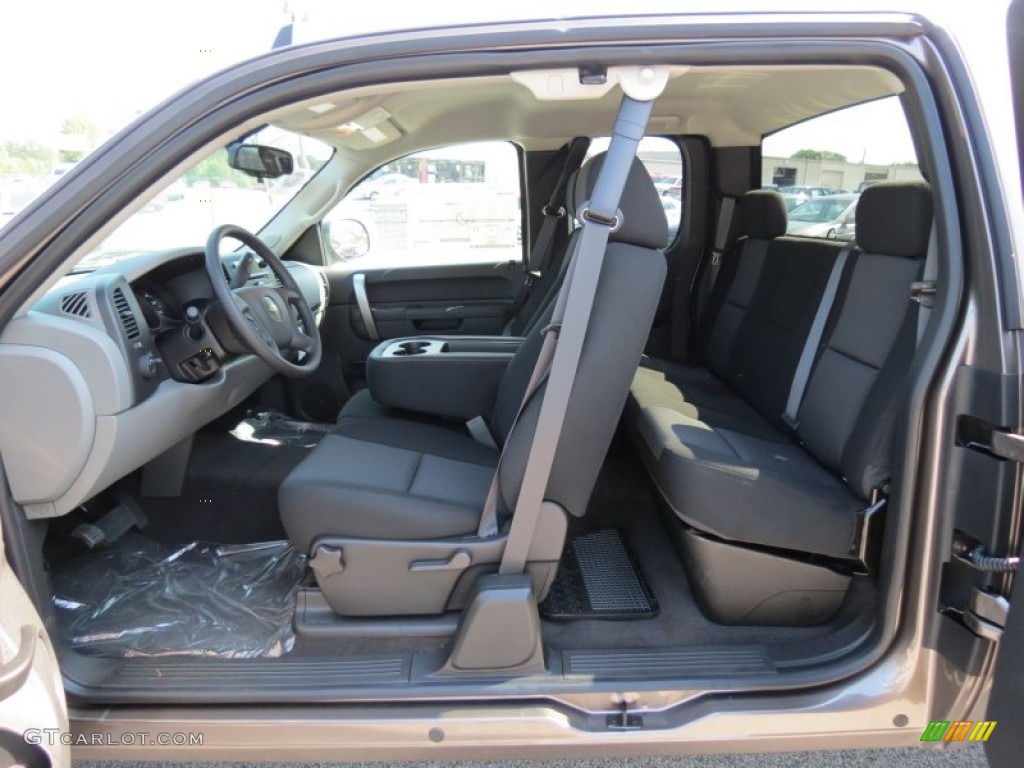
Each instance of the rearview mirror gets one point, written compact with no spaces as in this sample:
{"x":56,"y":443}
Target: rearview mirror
{"x":260,"y":161}
{"x":347,"y":238}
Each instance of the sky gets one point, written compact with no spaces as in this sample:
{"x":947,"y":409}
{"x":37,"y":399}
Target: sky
{"x":876,"y":132}
{"x":110,"y":60}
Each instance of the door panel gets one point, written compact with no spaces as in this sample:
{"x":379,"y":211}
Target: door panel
{"x":441,"y":251}
{"x":1005,"y":705}
{"x":462,"y":299}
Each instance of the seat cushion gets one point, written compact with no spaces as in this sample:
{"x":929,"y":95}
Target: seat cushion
{"x":362,"y":406}
{"x":746,"y":489}
{"x":697,"y":393}
{"x":387,"y":478}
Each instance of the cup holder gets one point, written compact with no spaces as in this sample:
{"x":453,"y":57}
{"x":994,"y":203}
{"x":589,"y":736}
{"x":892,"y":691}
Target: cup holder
{"x":408,"y":348}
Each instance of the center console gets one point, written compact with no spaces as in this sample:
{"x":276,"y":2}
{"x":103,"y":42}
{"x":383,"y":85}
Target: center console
{"x":453,"y":376}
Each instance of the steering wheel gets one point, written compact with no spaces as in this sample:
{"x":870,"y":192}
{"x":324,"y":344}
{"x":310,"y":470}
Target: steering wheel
{"x":261,"y":315}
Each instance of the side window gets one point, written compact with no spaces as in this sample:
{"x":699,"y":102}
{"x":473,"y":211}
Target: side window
{"x":664,"y":162}
{"x":454,"y":205}
{"x":822,"y":165}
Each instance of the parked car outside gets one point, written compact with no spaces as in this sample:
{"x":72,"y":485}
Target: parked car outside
{"x":388,"y":186}
{"x":831,"y":217}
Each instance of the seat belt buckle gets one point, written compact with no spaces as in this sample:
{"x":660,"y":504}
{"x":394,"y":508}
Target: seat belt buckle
{"x":923,"y":292}
{"x":558,"y":213}
{"x":716,"y":257}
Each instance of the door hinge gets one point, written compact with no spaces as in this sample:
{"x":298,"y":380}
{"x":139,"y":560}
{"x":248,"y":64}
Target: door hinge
{"x":986,"y":614}
{"x":972,"y":432}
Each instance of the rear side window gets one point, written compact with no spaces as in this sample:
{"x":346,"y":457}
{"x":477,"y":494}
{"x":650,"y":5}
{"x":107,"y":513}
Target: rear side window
{"x":664,"y":162}
{"x":458,"y":204}
{"x":821,"y":166}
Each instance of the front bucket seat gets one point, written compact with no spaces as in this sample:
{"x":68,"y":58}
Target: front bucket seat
{"x":388,"y":508}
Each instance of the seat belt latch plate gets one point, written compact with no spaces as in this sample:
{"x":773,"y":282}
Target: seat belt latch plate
{"x":613,"y":222}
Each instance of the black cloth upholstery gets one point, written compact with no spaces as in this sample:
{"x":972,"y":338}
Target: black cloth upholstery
{"x":393,"y":480}
{"x":768,"y":346}
{"x":747,"y":489}
{"x":713,"y":439}
{"x":762,"y":214}
{"x":755,"y":342}
{"x":379,"y":476}
{"x":895,"y":218}
{"x":643,"y":221}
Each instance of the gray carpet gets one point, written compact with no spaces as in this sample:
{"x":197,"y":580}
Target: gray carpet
{"x":230,"y":493}
{"x":623,"y":499}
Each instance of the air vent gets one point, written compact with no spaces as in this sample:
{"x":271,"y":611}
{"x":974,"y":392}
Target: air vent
{"x":125,"y":314}
{"x":75,"y":304}
{"x":227,"y":274}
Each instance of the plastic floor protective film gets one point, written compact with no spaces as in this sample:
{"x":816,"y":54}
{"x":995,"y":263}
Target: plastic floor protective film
{"x":141,"y":598}
{"x":273,"y":428}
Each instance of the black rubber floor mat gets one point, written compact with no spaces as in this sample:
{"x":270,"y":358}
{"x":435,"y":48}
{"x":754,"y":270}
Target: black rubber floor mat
{"x":599,"y":578}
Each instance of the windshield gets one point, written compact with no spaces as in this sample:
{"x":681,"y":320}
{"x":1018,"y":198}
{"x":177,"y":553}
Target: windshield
{"x":820,"y":209}
{"x":209,"y":194}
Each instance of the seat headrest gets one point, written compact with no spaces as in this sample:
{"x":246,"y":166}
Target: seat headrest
{"x":643,"y":217}
{"x":895,"y":218}
{"x":762,"y":214}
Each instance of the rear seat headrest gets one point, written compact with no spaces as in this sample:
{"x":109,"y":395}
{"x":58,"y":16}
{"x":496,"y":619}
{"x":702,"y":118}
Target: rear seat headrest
{"x":762,"y":214}
{"x":643,"y":217}
{"x":895,"y":218}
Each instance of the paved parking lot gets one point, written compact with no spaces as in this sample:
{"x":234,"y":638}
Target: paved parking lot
{"x":967,"y":757}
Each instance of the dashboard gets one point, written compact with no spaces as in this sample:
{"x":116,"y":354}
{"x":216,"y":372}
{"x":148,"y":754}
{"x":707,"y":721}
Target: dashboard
{"x":114,"y":368}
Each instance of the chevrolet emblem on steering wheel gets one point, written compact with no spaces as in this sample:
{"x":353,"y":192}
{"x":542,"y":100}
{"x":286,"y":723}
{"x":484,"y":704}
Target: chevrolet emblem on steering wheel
{"x":272,"y":309}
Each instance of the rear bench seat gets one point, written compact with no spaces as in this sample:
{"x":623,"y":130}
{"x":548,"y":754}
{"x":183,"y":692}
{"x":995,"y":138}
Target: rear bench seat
{"x":770,"y":514}
{"x":760,"y":314}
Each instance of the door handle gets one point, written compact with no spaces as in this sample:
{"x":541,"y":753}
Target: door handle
{"x":459,"y":561}
{"x":14,"y":673}
{"x":363,"y":302}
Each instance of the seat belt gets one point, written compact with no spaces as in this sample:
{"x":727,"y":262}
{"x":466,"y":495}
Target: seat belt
{"x":563,"y":340}
{"x":554,"y":212}
{"x":489,"y":519}
{"x":725,"y":214}
{"x":810,"y":351}
{"x":719,"y":248}
{"x":923,"y":291}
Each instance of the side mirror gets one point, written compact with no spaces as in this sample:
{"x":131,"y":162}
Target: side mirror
{"x":347,"y":238}
{"x":261,"y":161}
